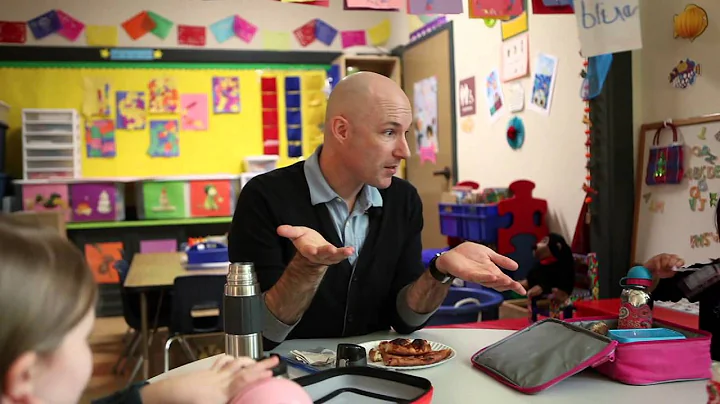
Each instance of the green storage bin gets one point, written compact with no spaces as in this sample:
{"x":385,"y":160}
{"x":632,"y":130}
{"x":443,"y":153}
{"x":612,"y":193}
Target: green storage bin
{"x":163,"y":200}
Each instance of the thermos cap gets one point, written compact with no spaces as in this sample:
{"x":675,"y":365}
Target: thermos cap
{"x":637,"y":275}
{"x":241,"y":273}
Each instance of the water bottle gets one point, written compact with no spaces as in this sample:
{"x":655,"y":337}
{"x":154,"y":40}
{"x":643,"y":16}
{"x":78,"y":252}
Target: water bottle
{"x":635,"y":311}
{"x":242,"y":306}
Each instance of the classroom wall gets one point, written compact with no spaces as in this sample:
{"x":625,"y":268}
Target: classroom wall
{"x":267,"y":15}
{"x":655,"y":99}
{"x":553,"y":155}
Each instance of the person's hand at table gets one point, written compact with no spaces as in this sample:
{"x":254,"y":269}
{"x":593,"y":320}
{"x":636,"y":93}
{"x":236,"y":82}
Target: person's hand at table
{"x":661,"y":265}
{"x":217,"y":385}
{"x":313,"y":247}
{"x":477,"y":263}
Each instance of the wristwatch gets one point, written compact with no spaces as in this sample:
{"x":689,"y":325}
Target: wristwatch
{"x":435,"y":272}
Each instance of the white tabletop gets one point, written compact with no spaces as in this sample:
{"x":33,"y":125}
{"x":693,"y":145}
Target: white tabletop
{"x":455,"y":380}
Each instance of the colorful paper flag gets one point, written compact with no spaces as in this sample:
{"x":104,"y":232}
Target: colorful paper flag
{"x":306,"y":34}
{"x":353,"y":38}
{"x":380,"y":34}
{"x":224,"y":29}
{"x":375,"y":4}
{"x":101,"y":35}
{"x":191,"y":35}
{"x":276,"y":40}
{"x":324,"y":32}
{"x":139,"y":25}
{"x":321,"y":3}
{"x":435,"y":6}
{"x":70,"y":28}
{"x":162,"y":25}
{"x":13,"y":32}
{"x":45,"y":25}
{"x":244,"y":29}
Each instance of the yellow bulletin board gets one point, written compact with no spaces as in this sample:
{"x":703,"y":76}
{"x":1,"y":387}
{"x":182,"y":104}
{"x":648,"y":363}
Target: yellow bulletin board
{"x":218,"y":150}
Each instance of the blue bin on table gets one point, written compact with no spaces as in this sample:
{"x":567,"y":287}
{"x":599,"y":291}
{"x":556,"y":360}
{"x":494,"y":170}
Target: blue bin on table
{"x":463,"y":305}
{"x":451,"y":219}
{"x":475,"y":222}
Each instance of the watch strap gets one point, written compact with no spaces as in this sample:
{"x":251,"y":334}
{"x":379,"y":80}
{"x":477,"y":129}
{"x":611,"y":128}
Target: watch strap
{"x":435,"y":272}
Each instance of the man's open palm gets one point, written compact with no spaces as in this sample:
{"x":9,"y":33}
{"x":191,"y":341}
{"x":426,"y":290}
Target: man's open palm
{"x":311,"y":245}
{"x":476,"y":263}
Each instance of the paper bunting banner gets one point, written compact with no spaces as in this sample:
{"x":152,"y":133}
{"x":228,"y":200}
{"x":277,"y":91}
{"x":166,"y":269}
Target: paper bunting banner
{"x":191,"y":35}
{"x":223,"y":29}
{"x":380,"y":34}
{"x":162,"y":25}
{"x":139,"y":25}
{"x":45,"y":25}
{"x":324,"y":32}
{"x":12,"y":32}
{"x":305,"y":35}
{"x":353,"y":38}
{"x":70,"y":28}
{"x":244,"y":30}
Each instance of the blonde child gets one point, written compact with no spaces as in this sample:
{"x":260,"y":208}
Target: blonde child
{"x":47,"y":301}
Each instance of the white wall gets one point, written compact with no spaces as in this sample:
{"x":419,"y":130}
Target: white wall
{"x":266,"y":14}
{"x":553,"y":155}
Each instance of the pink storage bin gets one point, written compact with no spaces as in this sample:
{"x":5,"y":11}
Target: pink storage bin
{"x":653,"y":362}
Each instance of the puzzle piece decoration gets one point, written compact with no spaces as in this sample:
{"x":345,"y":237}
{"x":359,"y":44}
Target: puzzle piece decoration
{"x":524,"y":210}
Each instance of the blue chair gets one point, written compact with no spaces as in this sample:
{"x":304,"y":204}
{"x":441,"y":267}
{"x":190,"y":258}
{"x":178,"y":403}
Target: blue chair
{"x":193,"y":297}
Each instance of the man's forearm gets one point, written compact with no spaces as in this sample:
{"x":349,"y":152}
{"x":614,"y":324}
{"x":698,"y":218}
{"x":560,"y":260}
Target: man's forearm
{"x":291,"y":295}
{"x":426,"y":294}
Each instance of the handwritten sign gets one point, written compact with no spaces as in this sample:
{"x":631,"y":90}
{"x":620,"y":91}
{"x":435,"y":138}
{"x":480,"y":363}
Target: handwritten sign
{"x":608,"y":26}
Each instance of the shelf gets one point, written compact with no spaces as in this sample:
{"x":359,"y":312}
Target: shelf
{"x":149,"y":223}
{"x":51,"y":143}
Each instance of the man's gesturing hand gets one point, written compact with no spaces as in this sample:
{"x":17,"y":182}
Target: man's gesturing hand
{"x":313,"y":247}
{"x":476,"y":263}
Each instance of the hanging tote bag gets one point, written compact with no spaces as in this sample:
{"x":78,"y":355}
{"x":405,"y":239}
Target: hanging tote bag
{"x":665,"y":163}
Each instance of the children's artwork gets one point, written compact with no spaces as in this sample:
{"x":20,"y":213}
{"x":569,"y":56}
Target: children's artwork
{"x":608,"y":26}
{"x":435,"y":6}
{"x":496,"y":9}
{"x":684,"y":74}
{"x":164,"y":140}
{"x":515,"y":25}
{"x":101,"y":258}
{"x":97,"y":97}
{"x":467,"y":96}
{"x":425,"y":99}
{"x":211,"y":198}
{"x":515,"y":96}
{"x":494,"y":95}
{"x":543,"y":83}
{"x":226,"y":95}
{"x":45,"y":25}
{"x":375,"y":4}
{"x":514,"y":58}
{"x":194,"y":112}
{"x":96,"y":202}
{"x":100,"y":138}
{"x":690,"y":23}
{"x":130,"y":110}
{"x":164,"y":96}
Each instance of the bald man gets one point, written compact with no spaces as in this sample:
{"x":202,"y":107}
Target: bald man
{"x":336,"y":239}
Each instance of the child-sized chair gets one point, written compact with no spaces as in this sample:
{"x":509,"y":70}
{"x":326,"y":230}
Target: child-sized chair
{"x":197,"y":310}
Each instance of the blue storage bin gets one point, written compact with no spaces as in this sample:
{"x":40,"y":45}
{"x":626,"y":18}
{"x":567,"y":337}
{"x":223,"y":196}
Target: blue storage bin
{"x":463,"y":305}
{"x":450,"y":219}
{"x":207,"y":255}
{"x":481,"y":222}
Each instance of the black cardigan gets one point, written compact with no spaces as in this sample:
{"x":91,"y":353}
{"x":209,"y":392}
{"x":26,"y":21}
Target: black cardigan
{"x":668,"y":290}
{"x":389,"y":260}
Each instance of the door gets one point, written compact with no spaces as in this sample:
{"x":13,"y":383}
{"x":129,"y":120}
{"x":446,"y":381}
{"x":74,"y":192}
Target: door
{"x":431,"y":171}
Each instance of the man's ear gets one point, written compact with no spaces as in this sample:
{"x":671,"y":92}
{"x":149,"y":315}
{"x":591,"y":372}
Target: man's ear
{"x":339,"y":127}
{"x":20,"y":378}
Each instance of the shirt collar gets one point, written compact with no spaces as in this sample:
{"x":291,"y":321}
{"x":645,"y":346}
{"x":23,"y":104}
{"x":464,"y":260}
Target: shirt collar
{"x":321,"y":192}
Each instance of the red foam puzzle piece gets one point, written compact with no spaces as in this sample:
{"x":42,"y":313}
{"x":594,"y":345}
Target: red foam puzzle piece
{"x":523,"y":207}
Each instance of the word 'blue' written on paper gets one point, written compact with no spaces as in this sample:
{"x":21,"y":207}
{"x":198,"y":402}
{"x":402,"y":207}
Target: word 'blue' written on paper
{"x":605,"y":16}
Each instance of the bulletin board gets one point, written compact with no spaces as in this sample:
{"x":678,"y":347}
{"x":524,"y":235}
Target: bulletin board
{"x":679,"y":218}
{"x":214,"y":143}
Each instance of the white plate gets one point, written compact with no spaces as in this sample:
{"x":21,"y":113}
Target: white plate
{"x":436,"y":346}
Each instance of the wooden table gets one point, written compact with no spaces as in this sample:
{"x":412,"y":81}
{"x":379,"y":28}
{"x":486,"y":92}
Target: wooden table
{"x":153,"y":271}
{"x":605,"y":307}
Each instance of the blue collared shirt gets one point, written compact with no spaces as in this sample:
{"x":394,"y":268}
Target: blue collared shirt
{"x":352,"y":227}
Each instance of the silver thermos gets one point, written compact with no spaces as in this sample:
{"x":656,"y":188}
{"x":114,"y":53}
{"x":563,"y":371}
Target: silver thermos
{"x":242,"y":306}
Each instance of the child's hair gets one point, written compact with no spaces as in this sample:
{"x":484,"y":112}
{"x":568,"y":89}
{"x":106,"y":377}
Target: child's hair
{"x":46,"y":289}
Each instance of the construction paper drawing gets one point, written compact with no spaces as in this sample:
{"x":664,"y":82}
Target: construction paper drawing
{"x":684,"y":74}
{"x":223,"y":29}
{"x":514,"y":58}
{"x":226,"y":95}
{"x":375,"y":4}
{"x":425,"y":107}
{"x":164,"y":140}
{"x":100,"y":138}
{"x":543,"y":83}
{"x":435,"y":6}
{"x":194,"y":112}
{"x":45,"y":24}
{"x":70,"y":28}
{"x":494,"y":95}
{"x":164,"y":96}
{"x":131,"y":113}
{"x":244,"y":29}
{"x":97,"y":97}
{"x":100,"y":259}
